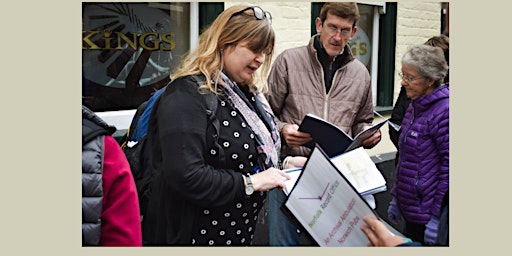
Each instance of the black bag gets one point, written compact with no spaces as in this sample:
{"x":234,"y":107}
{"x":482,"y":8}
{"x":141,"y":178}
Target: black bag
{"x":135,"y":144}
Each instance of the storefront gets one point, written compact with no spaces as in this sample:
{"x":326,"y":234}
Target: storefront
{"x":129,"y":49}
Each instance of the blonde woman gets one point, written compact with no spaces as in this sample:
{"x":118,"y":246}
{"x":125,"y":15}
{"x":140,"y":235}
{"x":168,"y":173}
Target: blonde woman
{"x":208,"y":190}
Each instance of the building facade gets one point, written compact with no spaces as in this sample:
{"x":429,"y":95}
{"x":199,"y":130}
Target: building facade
{"x":129,"y":49}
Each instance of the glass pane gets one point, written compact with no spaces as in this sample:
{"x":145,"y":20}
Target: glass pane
{"x":361,"y":44}
{"x":129,"y":50}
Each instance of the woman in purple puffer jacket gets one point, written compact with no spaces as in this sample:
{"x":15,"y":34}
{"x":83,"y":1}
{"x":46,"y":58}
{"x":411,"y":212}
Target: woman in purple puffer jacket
{"x":422,"y":175}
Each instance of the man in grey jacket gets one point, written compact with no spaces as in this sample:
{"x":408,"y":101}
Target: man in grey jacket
{"x":322,"y":78}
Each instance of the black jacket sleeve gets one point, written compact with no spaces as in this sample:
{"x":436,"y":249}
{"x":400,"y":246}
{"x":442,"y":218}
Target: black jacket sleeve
{"x":401,"y":105}
{"x":182,"y":124}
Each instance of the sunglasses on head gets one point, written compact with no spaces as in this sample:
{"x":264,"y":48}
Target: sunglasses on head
{"x":258,"y":13}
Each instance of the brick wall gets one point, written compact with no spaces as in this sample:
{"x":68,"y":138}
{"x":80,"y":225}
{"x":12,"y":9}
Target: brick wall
{"x":416,"y":22}
{"x":290,"y":20}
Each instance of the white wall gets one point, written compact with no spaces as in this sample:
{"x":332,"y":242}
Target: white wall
{"x":291,"y":22}
{"x":416,"y":22}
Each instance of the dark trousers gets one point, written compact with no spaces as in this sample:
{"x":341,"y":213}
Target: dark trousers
{"x":415,"y":231}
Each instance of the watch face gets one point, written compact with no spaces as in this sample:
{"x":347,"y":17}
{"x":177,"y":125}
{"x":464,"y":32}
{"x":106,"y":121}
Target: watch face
{"x":249,"y":190}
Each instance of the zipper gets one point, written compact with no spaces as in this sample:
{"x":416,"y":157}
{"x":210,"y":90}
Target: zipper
{"x":327,"y":94}
{"x":411,"y":122}
{"x":417,"y":188}
{"x":330,"y":67}
{"x":417,"y":181}
{"x":405,"y":139}
{"x":326,"y":101}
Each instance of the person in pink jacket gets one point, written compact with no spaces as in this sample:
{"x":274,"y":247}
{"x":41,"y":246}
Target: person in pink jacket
{"x":110,"y":205}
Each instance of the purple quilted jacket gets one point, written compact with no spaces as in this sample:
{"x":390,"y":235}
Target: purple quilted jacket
{"x":422,"y":176}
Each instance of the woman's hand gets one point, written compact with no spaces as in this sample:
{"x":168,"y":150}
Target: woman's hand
{"x":269,"y":179}
{"x":294,"y":162}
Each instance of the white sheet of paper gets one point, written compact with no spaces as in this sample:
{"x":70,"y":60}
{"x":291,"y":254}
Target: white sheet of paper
{"x":359,"y":169}
{"x":356,"y":166}
{"x":294,"y":173}
{"x":327,"y":206}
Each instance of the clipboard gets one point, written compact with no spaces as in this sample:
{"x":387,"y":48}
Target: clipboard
{"x":327,"y":206}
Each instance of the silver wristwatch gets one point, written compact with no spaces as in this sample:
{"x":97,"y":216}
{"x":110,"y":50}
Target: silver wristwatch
{"x":249,"y":189}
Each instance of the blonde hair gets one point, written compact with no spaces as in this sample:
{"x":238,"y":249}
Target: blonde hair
{"x":227,"y":30}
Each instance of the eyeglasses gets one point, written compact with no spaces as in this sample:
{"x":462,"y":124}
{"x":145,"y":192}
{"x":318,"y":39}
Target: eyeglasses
{"x":408,"y":79}
{"x":332,"y":30}
{"x":258,"y":13}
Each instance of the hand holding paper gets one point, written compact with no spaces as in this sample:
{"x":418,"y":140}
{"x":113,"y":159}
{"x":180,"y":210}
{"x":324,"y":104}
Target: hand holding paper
{"x":335,"y":141}
{"x":379,"y":234}
{"x":372,"y":140}
{"x":326,"y":204}
{"x":356,"y":166}
{"x":293,"y":136}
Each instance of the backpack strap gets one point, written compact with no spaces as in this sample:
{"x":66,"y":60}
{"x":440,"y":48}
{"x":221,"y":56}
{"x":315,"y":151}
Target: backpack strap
{"x":128,"y":136}
{"x":211,"y":109}
{"x":212,"y":103}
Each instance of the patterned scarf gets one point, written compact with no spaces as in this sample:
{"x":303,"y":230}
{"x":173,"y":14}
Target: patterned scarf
{"x":268,"y":143}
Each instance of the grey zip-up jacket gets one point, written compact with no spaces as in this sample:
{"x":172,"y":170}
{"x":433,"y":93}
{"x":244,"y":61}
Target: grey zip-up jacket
{"x":93,"y":133}
{"x":297,"y":87}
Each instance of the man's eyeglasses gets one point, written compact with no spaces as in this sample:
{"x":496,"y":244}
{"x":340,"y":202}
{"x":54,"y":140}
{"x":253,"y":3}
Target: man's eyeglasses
{"x":332,"y":30}
{"x":408,"y":79}
{"x":258,"y":13}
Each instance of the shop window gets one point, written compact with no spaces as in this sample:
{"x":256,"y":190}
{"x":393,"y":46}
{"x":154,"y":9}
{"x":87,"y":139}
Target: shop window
{"x":128,"y":51}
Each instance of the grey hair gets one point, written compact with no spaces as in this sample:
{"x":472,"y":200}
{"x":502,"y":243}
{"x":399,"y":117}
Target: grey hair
{"x":429,"y":60}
